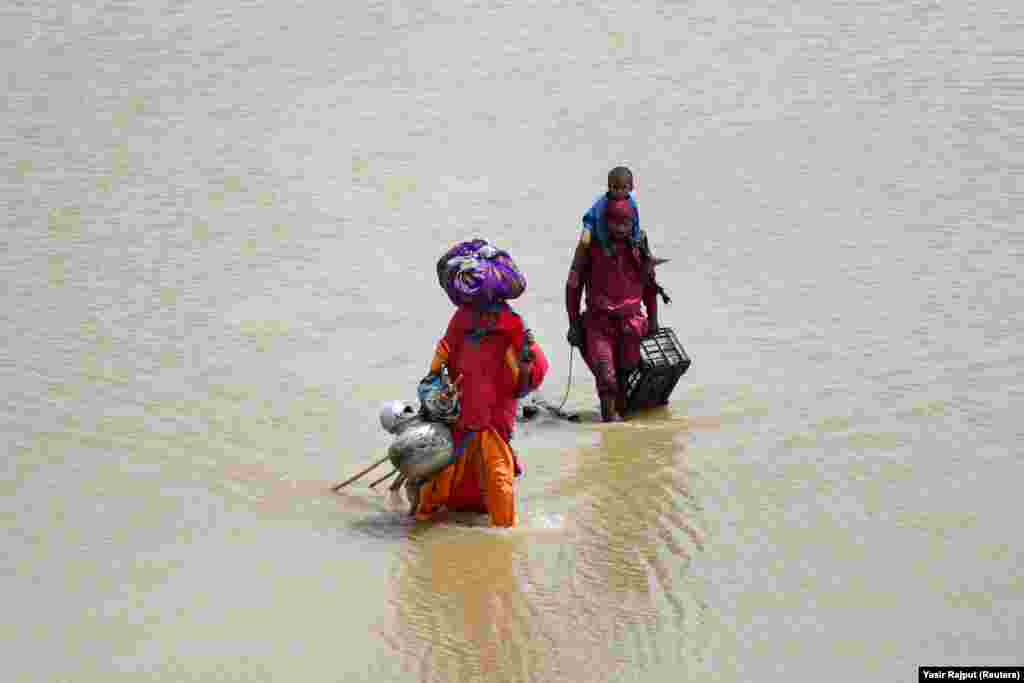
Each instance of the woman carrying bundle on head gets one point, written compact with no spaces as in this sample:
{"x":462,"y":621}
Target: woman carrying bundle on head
{"x":494,"y":361}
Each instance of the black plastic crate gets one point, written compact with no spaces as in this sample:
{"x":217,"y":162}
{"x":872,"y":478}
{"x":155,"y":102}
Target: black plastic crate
{"x":662,"y":362}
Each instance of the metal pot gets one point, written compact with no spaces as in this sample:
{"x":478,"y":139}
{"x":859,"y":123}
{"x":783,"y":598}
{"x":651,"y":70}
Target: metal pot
{"x":422,"y":449}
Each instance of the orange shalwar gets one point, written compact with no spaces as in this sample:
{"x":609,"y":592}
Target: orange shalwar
{"x":481,"y":351}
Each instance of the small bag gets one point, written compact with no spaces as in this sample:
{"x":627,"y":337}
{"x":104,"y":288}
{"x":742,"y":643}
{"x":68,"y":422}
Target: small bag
{"x":438,"y":399}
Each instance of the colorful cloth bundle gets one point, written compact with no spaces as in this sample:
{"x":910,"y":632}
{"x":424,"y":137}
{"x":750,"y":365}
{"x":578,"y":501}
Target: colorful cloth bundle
{"x":478,"y":274}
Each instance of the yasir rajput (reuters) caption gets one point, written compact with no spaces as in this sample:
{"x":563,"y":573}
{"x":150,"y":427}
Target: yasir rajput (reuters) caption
{"x":970,"y":673}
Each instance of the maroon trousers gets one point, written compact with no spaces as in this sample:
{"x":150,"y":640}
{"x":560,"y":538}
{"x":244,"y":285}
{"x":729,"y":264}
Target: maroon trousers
{"x":612,"y":348}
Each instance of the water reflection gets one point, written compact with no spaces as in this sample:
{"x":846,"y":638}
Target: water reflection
{"x":461,"y":608}
{"x":635,"y":533}
{"x":607,"y":590}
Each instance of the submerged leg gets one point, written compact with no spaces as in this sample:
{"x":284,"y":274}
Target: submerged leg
{"x":412,"y":494}
{"x":609,"y":411}
{"x":601,"y":356}
{"x":499,"y":473}
{"x":621,"y":397}
{"x":627,"y":359}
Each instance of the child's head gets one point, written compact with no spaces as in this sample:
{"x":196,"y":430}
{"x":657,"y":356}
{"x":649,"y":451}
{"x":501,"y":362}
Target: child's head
{"x":619,"y":217}
{"x":620,"y":182}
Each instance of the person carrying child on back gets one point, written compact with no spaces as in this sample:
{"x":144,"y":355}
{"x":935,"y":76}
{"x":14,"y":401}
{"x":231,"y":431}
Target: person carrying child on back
{"x":614,"y":265}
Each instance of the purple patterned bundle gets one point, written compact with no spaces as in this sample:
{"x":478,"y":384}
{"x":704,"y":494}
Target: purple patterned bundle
{"x":479,"y":274}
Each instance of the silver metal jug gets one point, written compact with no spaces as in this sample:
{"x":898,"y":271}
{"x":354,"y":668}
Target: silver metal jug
{"x":421,"y":448}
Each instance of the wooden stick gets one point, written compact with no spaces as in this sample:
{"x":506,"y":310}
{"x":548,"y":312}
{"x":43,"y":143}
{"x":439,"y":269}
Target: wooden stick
{"x":360,"y":474}
{"x":386,"y":476}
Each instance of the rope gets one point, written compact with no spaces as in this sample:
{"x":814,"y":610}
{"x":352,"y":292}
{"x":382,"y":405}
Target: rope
{"x":568,"y":384}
